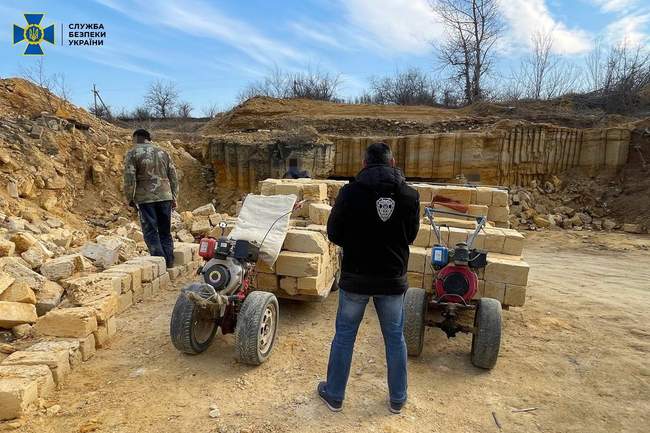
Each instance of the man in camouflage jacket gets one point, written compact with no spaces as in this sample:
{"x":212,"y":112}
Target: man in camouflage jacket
{"x":151,"y":186}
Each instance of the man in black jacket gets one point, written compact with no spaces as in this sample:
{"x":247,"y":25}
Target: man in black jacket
{"x":375,"y":219}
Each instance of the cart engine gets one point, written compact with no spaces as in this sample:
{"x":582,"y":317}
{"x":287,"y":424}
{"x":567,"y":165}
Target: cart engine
{"x":455,"y":278}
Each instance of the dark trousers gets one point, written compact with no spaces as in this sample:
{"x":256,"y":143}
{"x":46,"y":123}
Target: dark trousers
{"x":156,"y":221}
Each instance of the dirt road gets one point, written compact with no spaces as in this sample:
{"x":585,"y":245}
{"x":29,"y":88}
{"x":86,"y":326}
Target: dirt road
{"x":579,"y":352}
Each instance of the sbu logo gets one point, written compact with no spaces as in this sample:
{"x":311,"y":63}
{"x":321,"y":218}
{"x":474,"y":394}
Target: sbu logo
{"x":34,"y":34}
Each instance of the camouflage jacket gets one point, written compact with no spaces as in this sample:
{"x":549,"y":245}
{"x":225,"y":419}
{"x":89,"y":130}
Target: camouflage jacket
{"x":149,"y":174}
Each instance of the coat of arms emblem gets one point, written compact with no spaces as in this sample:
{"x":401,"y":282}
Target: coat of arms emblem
{"x":385,"y":208}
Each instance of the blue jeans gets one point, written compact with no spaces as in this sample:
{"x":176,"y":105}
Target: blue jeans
{"x":155,"y":220}
{"x":390,"y":311}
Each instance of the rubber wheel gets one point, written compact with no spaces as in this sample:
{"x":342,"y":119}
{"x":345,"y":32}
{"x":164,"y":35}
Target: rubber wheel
{"x":257,"y":327}
{"x":191,"y":329}
{"x":415,"y":309}
{"x":486,"y":339}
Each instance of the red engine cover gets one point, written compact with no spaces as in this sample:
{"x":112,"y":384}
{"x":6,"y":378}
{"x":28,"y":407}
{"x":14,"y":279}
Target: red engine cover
{"x":207,"y":247}
{"x":454,"y":282}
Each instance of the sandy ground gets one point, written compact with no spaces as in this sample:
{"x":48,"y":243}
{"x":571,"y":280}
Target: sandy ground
{"x":578,"y":352}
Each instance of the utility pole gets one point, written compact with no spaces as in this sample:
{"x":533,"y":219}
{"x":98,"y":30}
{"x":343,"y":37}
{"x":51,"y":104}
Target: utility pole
{"x":96,"y":96}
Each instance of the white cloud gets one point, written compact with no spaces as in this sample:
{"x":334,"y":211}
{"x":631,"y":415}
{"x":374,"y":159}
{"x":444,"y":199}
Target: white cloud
{"x":615,"y":5}
{"x":632,"y":29}
{"x":403,"y":26}
{"x":314,"y":32}
{"x":200,"y":19}
{"x":526,"y":17}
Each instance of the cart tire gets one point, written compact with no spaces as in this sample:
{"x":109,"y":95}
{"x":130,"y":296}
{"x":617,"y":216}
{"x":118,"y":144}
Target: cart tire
{"x":191,"y":330}
{"x":257,"y":328}
{"x":415,"y":309}
{"x":486,"y":339}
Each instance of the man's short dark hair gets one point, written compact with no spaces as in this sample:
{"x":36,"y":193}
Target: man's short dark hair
{"x":142,"y":133}
{"x":378,"y":153}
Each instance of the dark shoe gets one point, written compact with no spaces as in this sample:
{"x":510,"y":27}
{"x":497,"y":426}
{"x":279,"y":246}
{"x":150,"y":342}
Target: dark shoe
{"x":396,"y":408}
{"x":333,"y":405}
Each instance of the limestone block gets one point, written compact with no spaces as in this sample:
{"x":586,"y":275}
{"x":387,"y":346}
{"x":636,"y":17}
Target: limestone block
{"x":147,"y":290}
{"x":67,"y":322}
{"x":215,"y":219}
{"x":502,"y":269}
{"x":267,"y":187}
{"x":7,"y":248}
{"x":23,"y":241}
{"x":200,"y":226}
{"x":18,"y":292}
{"x":105,"y":333}
{"x":41,"y":374}
{"x":415,"y":279}
{"x":314,"y":191}
{"x":319,"y":286}
{"x":95,"y":286}
{"x":427,"y":283}
{"x":148,"y":270}
{"x":182,"y":255}
{"x":494,"y":240}
{"x":289,"y":188}
{"x":289,"y":285}
{"x":296,"y":264}
{"x":423,"y":238}
{"x":125,"y":300}
{"x":267,"y":282}
{"x":457,"y":235}
{"x":444,"y":236}
{"x":498,"y":213}
{"x":417,"y":259}
{"x":157,"y":260}
{"x":515,"y":295}
{"x":262,"y":266}
{"x":48,"y":297}
{"x":164,"y":282}
{"x":57,"y":361}
{"x":305,"y":241}
{"x":483,"y":196}
{"x":63,"y":267}
{"x":6,"y":281}
{"x":457,"y":194}
{"x":134,"y":271}
{"x":494,"y":290}
{"x":16,"y":396}
{"x":319,"y":213}
{"x":87,"y":347}
{"x":101,"y":255}
{"x":477,"y":210}
{"x":155,"y":286}
{"x":499,"y":198}
{"x":205,"y":210}
{"x":513,"y":243}
{"x":126,"y":281}
{"x":105,"y":307}
{"x":16,"y":313}
{"x":71,"y":347}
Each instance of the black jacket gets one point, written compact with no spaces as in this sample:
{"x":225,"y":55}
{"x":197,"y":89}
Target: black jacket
{"x":374,"y":219}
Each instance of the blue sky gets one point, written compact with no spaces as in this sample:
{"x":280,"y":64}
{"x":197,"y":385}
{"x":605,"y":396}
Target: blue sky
{"x":211,"y":49}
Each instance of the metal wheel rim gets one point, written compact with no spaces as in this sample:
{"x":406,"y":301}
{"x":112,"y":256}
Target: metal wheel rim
{"x":202,"y":329}
{"x":267,"y":328}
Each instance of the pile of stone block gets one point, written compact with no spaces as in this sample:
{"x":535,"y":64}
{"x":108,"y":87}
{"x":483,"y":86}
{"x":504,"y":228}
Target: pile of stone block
{"x":489,"y":202}
{"x":201,"y":222}
{"x":68,"y":332}
{"x":305,"y":268}
{"x":504,"y":278}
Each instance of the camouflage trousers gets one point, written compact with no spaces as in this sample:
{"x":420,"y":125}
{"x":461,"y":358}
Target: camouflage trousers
{"x":155,"y":220}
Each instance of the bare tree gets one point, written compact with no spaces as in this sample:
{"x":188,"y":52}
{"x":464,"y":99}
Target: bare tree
{"x":309,"y":84}
{"x":543,"y":74}
{"x":51,"y":84}
{"x":141,"y":113}
{"x":626,"y":76}
{"x":185,"y":109}
{"x":210,"y":110}
{"x":99,"y":111}
{"x":472,"y":29}
{"x":410,"y":87}
{"x":161,"y":98}
{"x":594,"y":66}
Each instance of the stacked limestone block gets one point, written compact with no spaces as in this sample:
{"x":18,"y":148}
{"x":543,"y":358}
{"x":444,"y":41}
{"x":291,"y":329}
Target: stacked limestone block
{"x":308,"y":262}
{"x":474,"y":201}
{"x":504,"y":278}
{"x":69,"y":333}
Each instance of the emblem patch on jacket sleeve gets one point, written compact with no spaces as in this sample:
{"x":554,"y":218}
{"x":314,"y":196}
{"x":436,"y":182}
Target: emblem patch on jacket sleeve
{"x":385,"y":208}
